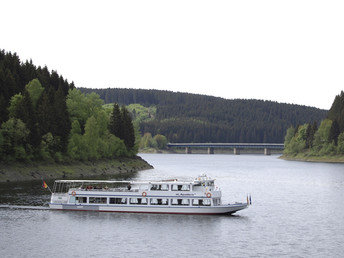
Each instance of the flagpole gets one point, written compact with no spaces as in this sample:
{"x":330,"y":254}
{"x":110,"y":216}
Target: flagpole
{"x":45,"y":184}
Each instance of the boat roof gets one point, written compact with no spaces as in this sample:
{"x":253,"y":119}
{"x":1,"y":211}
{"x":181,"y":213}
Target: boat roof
{"x":172,"y":181}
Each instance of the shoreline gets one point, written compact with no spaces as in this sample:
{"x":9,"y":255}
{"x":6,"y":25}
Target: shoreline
{"x":18,"y":172}
{"x":321,"y":159}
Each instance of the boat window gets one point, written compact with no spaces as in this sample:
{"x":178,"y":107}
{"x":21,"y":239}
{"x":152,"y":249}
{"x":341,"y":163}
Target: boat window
{"x":72,"y":199}
{"x":206,"y":202}
{"x":154,"y":187}
{"x":216,"y":201}
{"x":180,"y":202}
{"x":201,"y":202}
{"x":80,"y":199}
{"x":158,"y":201}
{"x":118,"y":200}
{"x":185,"y":202}
{"x":180,"y":187}
{"x":159,"y":188}
{"x":138,"y":201}
{"x":185,"y":188}
{"x":197,"y":202}
{"x":133,"y":201}
{"x":97,"y":200}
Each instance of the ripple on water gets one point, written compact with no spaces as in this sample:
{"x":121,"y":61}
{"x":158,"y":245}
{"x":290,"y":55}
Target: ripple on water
{"x":297,"y":211}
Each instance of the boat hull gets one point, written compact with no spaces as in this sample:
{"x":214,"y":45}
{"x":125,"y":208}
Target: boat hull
{"x":191,"y":210}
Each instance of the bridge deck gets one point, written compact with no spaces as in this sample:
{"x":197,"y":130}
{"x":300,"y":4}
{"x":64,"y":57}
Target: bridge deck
{"x":279,"y":146}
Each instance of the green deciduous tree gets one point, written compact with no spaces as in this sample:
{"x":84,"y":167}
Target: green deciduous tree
{"x":161,"y":141}
{"x":295,"y":143}
{"x":147,"y":141}
{"x":81,"y":106}
{"x":321,"y":137}
{"x":289,"y":135}
{"x":35,"y":90}
{"x":340,"y":147}
{"x":15,"y":105}
{"x":14,"y":140}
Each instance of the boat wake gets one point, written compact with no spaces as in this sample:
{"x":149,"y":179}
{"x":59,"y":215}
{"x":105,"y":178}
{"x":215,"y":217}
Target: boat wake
{"x":23,"y":207}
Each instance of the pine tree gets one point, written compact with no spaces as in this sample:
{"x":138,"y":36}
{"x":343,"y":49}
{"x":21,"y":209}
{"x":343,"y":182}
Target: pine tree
{"x":63,"y":124}
{"x":334,"y":132}
{"x":116,"y":122}
{"x":309,"y":136}
{"x":336,"y":111}
{"x":45,"y":111}
{"x":128,"y":129}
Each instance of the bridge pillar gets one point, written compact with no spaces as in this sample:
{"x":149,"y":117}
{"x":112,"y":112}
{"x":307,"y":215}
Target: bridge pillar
{"x":267,"y":151}
{"x":236,"y":151}
{"x":210,"y":150}
{"x":187,"y":150}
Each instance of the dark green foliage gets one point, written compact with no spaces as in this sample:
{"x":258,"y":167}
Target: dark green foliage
{"x":184,"y":117}
{"x":311,"y":129}
{"x":121,"y":126}
{"x":336,"y":112}
{"x":334,"y":132}
{"x":14,"y":76}
{"x":37,"y":107}
{"x":128,"y":129}
{"x":115,"y":126}
{"x":62,"y":125}
{"x":42,"y":107}
{"x":327,"y":140}
{"x":14,"y":135}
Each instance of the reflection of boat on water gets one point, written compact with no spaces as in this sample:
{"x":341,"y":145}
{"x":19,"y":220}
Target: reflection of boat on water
{"x":199,"y":196}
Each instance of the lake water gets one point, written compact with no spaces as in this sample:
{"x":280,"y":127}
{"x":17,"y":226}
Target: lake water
{"x":297,"y":211}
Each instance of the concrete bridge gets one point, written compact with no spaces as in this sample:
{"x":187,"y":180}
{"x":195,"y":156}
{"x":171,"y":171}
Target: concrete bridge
{"x":267,"y":147}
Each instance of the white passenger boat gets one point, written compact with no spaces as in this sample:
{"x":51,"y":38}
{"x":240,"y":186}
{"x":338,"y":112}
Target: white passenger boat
{"x":199,"y":196}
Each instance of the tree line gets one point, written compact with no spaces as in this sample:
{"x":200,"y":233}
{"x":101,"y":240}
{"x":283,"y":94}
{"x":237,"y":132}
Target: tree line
{"x":184,"y":117}
{"x":44,"y":117}
{"x":327,"y":139}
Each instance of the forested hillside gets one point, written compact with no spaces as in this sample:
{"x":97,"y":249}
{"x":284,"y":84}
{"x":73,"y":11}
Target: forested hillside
{"x":44,"y":117}
{"x":184,"y":117}
{"x":308,"y":140}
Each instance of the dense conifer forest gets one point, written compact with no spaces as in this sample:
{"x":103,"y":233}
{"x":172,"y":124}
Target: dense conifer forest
{"x":309,"y":140}
{"x":44,"y":117}
{"x":184,"y":117}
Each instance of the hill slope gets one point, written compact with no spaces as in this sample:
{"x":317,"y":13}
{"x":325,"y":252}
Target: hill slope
{"x":184,"y":117}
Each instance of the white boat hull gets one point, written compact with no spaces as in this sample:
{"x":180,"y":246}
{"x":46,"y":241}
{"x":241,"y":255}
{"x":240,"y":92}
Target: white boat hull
{"x":211,"y":210}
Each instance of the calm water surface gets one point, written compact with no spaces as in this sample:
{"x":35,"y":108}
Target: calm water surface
{"x":297,"y":211}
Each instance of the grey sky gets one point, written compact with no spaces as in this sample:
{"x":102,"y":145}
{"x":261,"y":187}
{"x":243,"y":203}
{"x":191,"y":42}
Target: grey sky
{"x":285,"y":51}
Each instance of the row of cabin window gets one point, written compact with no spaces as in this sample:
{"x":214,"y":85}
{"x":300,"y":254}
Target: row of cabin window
{"x":173,"y":188}
{"x":144,"y":201}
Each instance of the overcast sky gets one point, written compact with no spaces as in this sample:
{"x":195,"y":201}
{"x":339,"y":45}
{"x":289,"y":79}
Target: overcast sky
{"x":285,"y":51}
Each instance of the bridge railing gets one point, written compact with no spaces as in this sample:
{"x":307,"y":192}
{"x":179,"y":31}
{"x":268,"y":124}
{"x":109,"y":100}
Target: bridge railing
{"x":236,"y":146}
